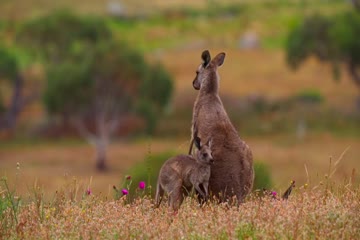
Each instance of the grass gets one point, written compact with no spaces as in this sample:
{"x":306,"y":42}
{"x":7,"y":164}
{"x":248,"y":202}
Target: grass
{"x":56,"y":206}
{"x":327,"y":210}
{"x":53,"y":165}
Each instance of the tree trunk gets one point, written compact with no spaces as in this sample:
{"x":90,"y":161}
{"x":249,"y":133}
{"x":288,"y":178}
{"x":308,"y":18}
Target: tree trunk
{"x":9,"y":121}
{"x":101,"y":144}
{"x":100,"y":141}
{"x":355,"y":75}
{"x":101,"y":155}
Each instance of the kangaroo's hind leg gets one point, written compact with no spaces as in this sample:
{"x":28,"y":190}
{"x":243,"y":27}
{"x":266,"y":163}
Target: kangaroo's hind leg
{"x":159,"y":195}
{"x":176,"y":196}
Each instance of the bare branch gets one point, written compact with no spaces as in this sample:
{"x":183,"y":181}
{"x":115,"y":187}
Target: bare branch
{"x":79,"y":125}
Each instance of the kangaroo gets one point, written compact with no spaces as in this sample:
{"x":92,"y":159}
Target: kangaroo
{"x":181,"y":173}
{"x":232,"y":174}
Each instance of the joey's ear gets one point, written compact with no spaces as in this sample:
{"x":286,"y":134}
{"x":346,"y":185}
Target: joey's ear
{"x":209,"y":143}
{"x":219,"y":59}
{"x":205,"y":56}
{"x":197,"y":143}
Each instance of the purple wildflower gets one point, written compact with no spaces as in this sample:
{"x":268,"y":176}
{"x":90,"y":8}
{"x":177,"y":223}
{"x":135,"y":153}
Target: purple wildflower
{"x":88,"y":191}
{"x":273,"y":193}
{"x":125,"y":191}
{"x":128,"y":177}
{"x":142,"y":185}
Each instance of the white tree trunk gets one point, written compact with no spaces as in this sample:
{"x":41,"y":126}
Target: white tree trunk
{"x":101,"y":148}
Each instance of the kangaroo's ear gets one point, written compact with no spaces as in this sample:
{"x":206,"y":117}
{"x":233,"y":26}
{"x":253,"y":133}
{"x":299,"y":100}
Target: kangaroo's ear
{"x":219,"y":59}
{"x":197,"y":142}
{"x":209,"y":142}
{"x":205,"y":56}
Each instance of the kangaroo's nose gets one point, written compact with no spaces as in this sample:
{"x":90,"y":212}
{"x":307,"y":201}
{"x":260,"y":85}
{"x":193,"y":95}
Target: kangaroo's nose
{"x":196,"y":85}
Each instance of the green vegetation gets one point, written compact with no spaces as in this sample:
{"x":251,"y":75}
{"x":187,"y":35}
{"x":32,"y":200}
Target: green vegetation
{"x":12,"y":77}
{"x":331,"y":39}
{"x":92,"y":78}
{"x":150,"y":34}
{"x":262,"y":176}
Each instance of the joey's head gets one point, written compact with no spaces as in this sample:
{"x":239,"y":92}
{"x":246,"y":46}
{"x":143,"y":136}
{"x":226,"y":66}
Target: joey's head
{"x":203,"y":154}
{"x":206,"y":73}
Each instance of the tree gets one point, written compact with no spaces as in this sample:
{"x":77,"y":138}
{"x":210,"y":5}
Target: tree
{"x":94,"y":79}
{"x":10,"y":73}
{"x":330,"y":39}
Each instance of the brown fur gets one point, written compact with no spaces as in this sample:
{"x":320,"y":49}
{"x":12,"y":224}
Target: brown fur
{"x":179,"y":174}
{"x":232,"y":174}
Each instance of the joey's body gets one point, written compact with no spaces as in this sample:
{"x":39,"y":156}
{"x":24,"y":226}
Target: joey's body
{"x":181,"y":173}
{"x":185,"y":170}
{"x":233,"y":174}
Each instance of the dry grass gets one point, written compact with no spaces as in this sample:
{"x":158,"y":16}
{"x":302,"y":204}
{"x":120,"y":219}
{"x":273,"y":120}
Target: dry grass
{"x":52,"y":165}
{"x":313,"y":212}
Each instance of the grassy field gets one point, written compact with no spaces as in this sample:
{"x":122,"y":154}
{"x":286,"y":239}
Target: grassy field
{"x":325,"y":211}
{"x":51,"y":177}
{"x":53,"y":165}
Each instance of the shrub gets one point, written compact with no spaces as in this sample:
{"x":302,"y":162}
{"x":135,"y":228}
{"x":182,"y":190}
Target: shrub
{"x":262,"y":176}
{"x":310,"y":96}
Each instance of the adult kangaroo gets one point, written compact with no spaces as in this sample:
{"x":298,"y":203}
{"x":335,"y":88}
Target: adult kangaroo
{"x":233,"y":173}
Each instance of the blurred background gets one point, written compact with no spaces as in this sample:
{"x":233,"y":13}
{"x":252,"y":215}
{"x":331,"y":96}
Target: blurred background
{"x":92,"y":91}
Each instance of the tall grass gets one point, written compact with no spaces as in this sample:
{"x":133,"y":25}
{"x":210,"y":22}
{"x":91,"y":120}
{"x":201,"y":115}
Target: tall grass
{"x":328,"y":210}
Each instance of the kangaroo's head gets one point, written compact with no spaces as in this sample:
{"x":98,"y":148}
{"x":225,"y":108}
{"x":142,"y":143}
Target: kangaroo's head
{"x":203,"y":155}
{"x":206,"y":74}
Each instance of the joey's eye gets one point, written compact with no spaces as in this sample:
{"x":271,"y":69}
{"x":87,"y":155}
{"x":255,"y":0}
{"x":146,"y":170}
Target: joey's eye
{"x":204,"y":155}
{"x":197,"y":72}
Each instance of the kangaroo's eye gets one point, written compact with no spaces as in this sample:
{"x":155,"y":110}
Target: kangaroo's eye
{"x":204,"y":155}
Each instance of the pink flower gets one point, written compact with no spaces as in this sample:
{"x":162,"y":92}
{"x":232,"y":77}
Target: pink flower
{"x":273,"y":193}
{"x":125,"y":191}
{"x":88,"y":191}
{"x":142,"y":185}
{"x":128,"y":177}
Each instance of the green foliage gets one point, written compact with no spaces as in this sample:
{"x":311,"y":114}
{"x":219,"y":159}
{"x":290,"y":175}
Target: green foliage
{"x":8,"y":64}
{"x":262,"y":176}
{"x":57,"y":35}
{"x":68,"y":87}
{"x":90,"y":72}
{"x":310,"y":96}
{"x":157,"y":87}
{"x":333,"y":39}
{"x":9,"y":69}
{"x":346,"y":33}
{"x":147,"y":112}
{"x":309,"y":37}
{"x":155,"y":94}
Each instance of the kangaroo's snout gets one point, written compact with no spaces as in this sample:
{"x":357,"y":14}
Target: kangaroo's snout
{"x":196,"y":85}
